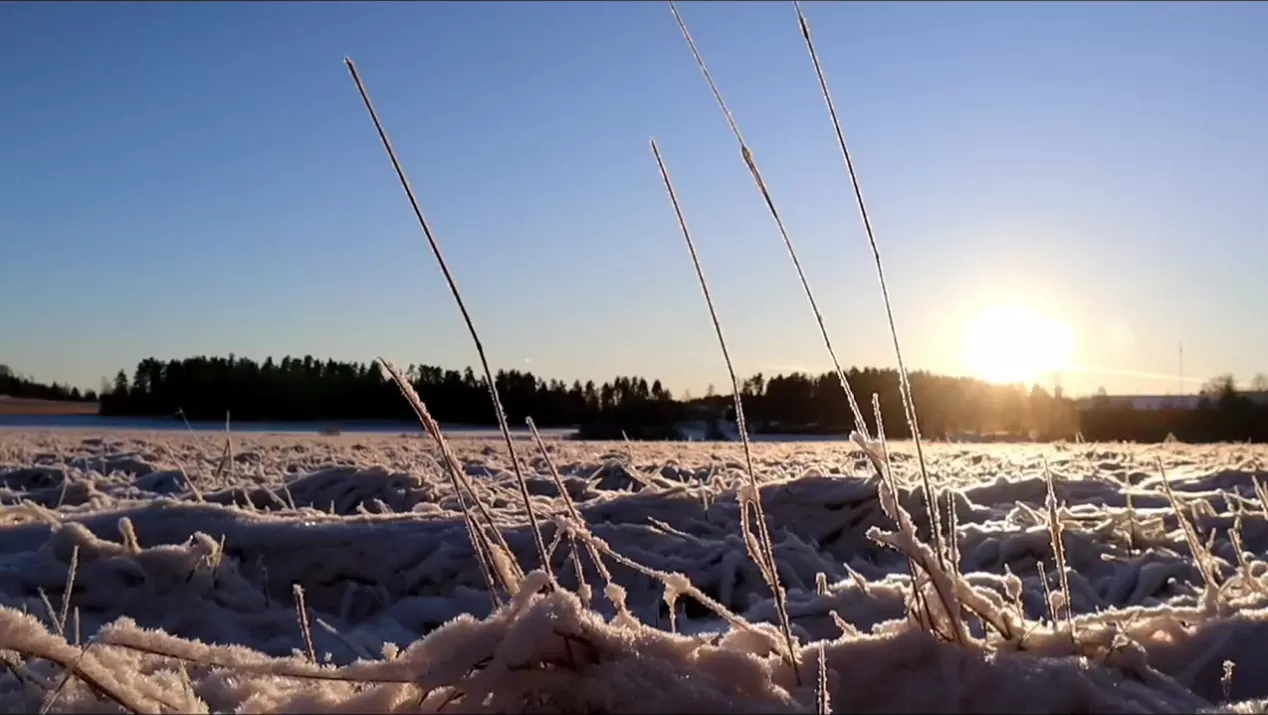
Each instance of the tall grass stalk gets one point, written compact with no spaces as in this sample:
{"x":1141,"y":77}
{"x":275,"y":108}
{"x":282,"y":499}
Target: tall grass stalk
{"x":887,"y":495}
{"x":822,"y":700}
{"x":1055,"y":532}
{"x":909,"y":406}
{"x":765,"y":558}
{"x":1202,"y":558}
{"x":466,"y":317}
{"x":747,"y":156}
{"x":579,"y":521}
{"x":70,"y":586}
{"x":301,"y":612}
{"x":462,"y":488}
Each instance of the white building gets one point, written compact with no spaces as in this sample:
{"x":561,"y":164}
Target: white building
{"x":1157,"y":402}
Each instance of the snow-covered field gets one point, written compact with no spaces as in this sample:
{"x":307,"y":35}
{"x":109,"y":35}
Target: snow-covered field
{"x":183,"y":599}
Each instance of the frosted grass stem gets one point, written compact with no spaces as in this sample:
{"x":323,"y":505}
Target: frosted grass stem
{"x":763,"y":532}
{"x":751,"y":163}
{"x":904,"y":382}
{"x":466,"y":317}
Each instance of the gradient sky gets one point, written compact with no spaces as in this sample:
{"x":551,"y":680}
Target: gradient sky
{"x":185,"y":178}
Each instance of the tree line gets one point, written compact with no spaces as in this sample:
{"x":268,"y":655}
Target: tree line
{"x":15,"y":385}
{"x":945,"y":407}
{"x":308,"y":389}
{"x":297,"y":389}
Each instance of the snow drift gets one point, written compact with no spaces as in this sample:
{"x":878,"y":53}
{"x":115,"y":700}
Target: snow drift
{"x":159,"y":573}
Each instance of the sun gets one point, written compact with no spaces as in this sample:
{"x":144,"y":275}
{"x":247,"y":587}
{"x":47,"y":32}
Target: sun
{"x":1009,"y":344}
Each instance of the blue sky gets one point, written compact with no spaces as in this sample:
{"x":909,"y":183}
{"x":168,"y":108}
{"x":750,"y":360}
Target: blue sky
{"x":186,"y":178}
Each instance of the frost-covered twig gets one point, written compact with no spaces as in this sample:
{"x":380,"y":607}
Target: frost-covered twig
{"x":466,"y":317}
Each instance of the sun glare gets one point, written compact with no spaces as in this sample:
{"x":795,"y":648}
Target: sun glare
{"x":1007,"y":344}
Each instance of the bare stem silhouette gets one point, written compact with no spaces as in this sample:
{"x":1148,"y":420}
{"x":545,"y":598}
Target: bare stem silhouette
{"x":747,"y":155}
{"x":766,"y":559}
{"x":466,"y":317}
{"x":908,"y":403}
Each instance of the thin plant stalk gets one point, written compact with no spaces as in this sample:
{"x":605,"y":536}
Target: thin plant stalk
{"x":904,"y":382}
{"x":66,"y":594}
{"x":885,"y":471}
{"x":574,"y":513}
{"x":466,"y":317}
{"x":1201,"y":557}
{"x":569,"y":504}
{"x":51,"y":612}
{"x":822,"y":699}
{"x":51,"y":700}
{"x":763,"y":533}
{"x":1058,"y":547}
{"x":301,"y":612}
{"x":479,"y":541}
{"x":747,"y":155}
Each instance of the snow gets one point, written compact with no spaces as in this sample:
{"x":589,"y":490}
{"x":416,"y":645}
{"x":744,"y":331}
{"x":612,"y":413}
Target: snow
{"x":187,"y":564}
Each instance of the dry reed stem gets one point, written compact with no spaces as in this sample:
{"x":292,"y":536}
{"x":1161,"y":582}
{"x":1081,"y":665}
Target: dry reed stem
{"x":767,"y":552}
{"x":916,"y":561}
{"x":1058,"y":548}
{"x":52,"y":697}
{"x":1201,"y":557}
{"x":909,"y":406}
{"x":1047,"y":594}
{"x":574,"y":514}
{"x":747,"y":155}
{"x":123,"y":699}
{"x":290,"y":499}
{"x":19,"y":671}
{"x":822,"y":705}
{"x":458,"y":479}
{"x":198,"y":495}
{"x":226,"y":455}
{"x":190,"y":428}
{"x":1262,"y":495}
{"x":259,"y":668}
{"x":70,"y":584}
{"x":466,"y":317}
{"x":679,"y":583}
{"x":353,"y":648}
{"x":301,"y":611}
{"x":569,"y":504}
{"x":52,"y":612}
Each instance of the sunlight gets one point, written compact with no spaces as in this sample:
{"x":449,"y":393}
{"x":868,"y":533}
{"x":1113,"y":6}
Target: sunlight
{"x":1006,"y":344}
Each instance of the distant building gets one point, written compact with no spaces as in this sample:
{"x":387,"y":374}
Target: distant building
{"x":1157,"y":402}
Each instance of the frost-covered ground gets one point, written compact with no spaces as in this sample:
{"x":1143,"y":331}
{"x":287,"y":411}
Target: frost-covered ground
{"x":182,"y":596}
